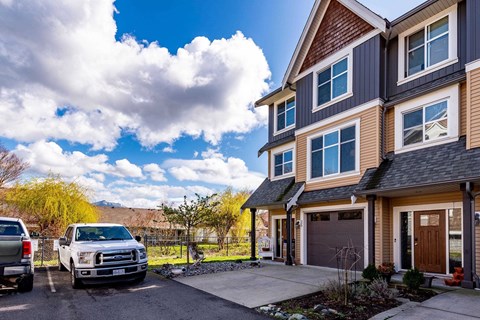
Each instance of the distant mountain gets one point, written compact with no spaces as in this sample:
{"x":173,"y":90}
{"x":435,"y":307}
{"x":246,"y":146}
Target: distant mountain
{"x":105,"y":203}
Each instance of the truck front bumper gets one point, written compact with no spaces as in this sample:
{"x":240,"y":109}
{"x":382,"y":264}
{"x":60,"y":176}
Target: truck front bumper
{"x":88,"y":273}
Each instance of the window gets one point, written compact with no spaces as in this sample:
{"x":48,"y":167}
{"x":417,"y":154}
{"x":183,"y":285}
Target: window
{"x":283,"y":163}
{"x":350,"y":215}
{"x":286,"y":114}
{"x":333,"y":153}
{"x":332,"y":82}
{"x":428,"y":46}
{"x":320,"y":217}
{"x":425,"y":124}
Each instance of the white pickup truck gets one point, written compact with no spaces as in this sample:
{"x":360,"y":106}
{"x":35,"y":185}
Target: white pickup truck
{"x":101,"y":252}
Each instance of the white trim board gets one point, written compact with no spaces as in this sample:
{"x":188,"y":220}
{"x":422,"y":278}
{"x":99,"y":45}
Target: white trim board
{"x":472,"y":65}
{"x":285,"y":147}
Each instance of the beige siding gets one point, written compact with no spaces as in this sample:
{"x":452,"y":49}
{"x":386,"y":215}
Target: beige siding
{"x":369,"y":149}
{"x":427,"y":199}
{"x":473,"y":109}
{"x":390,"y":129}
{"x":383,"y":231}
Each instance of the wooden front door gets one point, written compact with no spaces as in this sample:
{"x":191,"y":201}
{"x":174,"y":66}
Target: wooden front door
{"x":429,"y":241}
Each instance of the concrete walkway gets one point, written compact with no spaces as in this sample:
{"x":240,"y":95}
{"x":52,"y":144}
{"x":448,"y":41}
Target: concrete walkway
{"x":457,"y":304}
{"x":260,"y":286}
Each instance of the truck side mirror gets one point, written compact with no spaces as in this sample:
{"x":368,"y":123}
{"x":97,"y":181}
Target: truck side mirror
{"x":138,"y":238}
{"x":62,"y":241}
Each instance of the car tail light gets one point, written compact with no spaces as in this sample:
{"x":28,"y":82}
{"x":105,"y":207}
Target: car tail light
{"x":26,"y":249}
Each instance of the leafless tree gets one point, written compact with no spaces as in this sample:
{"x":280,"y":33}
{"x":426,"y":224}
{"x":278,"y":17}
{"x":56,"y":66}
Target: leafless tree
{"x":11,"y":166}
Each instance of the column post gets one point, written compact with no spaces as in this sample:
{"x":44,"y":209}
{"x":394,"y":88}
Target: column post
{"x":253,"y":247}
{"x":371,"y":228}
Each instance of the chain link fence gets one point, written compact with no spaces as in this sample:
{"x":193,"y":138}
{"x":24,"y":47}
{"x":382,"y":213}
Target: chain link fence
{"x":45,"y":251}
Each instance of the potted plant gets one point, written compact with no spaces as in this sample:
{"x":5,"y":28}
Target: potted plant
{"x":386,"y":270}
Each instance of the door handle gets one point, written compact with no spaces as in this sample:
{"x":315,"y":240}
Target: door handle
{"x":416,"y":242}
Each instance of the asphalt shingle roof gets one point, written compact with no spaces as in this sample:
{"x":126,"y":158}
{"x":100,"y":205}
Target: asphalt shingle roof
{"x":338,"y":193}
{"x":271,"y":193}
{"x":445,"y":163}
{"x":279,"y":142}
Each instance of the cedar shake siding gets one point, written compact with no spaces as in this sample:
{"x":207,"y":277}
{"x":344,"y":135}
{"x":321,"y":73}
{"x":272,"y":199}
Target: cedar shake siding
{"x":430,"y":80}
{"x":473,"y":109}
{"x":369,"y":150}
{"x":366,"y":81}
{"x":339,"y":27}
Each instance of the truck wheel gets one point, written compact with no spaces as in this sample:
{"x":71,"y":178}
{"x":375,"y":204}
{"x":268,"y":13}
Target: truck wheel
{"x":61,"y":267}
{"x":141,"y":276}
{"x":26,"y":283}
{"x":76,"y":283}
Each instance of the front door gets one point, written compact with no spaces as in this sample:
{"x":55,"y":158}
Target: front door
{"x":281,"y":238}
{"x":429,"y":241}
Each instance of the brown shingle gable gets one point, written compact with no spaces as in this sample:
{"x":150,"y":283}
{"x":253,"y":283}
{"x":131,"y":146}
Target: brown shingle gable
{"x":339,"y":27}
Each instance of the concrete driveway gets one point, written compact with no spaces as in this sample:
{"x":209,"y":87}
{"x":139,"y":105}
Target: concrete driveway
{"x":260,"y":286}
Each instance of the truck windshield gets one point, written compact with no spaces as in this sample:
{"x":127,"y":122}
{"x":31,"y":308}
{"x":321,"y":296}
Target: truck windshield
{"x":102,"y":233}
{"x":10,"y":228}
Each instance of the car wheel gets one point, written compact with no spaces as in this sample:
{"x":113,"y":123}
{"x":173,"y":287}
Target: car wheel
{"x":26,"y":283}
{"x":76,"y":283}
{"x":61,"y":267}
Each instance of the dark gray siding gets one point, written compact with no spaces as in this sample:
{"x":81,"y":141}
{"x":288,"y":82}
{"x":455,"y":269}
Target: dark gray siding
{"x":366,"y":84}
{"x":473,"y":30}
{"x":271,"y":124}
{"x":395,"y":92}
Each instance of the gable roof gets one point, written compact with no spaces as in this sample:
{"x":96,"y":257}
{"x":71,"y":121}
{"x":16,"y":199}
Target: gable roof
{"x":314,"y":20}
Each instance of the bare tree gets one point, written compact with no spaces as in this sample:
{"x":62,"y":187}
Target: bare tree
{"x":11,"y":166}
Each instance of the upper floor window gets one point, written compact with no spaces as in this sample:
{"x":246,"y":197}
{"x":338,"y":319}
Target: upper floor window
{"x":283,"y":163}
{"x":428,"y":120}
{"x":429,"y":46}
{"x":285,"y":114}
{"x":332,"y":82}
{"x":334,"y":152}
{"x":425,"y":124}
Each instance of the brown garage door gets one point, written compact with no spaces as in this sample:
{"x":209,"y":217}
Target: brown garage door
{"x":328,"y":232}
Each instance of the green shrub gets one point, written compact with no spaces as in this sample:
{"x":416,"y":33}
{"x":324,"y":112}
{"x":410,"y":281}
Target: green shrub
{"x":370,"y":272}
{"x":413,"y":278}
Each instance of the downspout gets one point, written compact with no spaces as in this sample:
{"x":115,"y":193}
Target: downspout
{"x":472,"y":195}
{"x":385,"y":83}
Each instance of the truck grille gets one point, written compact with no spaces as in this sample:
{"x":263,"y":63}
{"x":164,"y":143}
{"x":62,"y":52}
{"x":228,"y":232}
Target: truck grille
{"x":115,"y":257}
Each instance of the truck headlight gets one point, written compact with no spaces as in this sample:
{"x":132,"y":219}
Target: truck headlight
{"x":85,"y":257}
{"x":143,"y":254}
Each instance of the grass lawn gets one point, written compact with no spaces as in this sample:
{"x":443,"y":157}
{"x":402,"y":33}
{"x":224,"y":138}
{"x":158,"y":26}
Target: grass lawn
{"x":157,"y":262}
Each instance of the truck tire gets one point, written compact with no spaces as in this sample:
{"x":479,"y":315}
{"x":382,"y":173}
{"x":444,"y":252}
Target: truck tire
{"x":26,"y":283}
{"x":76,"y":283}
{"x":141,"y":276}
{"x":61,"y":267}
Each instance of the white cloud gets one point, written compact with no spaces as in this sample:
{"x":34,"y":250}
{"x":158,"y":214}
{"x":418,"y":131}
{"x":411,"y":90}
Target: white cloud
{"x":127,"y":169}
{"x":155,"y":172}
{"x":212,"y":153}
{"x":195,"y":154}
{"x":169,"y":149}
{"x":64,"y":55}
{"x":215,"y":169}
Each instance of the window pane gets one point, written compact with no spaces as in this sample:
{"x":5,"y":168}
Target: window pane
{"x":278,"y":159}
{"x":406,"y":239}
{"x":281,"y":108}
{"x":281,"y":121}
{"x":347,"y":156}
{"x":435,"y":112}
{"x":339,"y":85}
{"x":416,"y":39}
{"x":331,"y":138}
{"x":290,"y":117}
{"x":317,"y":158}
{"x":436,"y":130}
{"x":317,"y":143}
{"x":455,"y":238}
{"x":412,"y":119}
{"x":412,"y":135}
{"x":438,"y":50}
{"x":340,"y":67}
{"x":320,"y":217}
{"x":287,"y":156}
{"x":324,"y":76}
{"x":278,"y":171}
{"x":429,"y":220}
{"x":347,"y":134}
{"x":290,"y":103}
{"x":350,"y":215}
{"x":416,"y":61}
{"x":331,"y":160}
{"x":324,"y":93}
{"x":437,"y":28}
{"x":287,"y":167}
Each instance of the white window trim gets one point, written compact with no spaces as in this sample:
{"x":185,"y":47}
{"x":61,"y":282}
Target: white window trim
{"x":274,"y":231}
{"x":303,"y":223}
{"x":397,"y":254}
{"x":338,"y":175}
{"x":329,"y":63}
{"x":277,"y":150}
{"x":452,"y":45}
{"x":451,"y":94}
{"x":275,"y":113}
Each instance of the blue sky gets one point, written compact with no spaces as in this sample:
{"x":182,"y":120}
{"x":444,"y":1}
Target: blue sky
{"x":146,"y":101}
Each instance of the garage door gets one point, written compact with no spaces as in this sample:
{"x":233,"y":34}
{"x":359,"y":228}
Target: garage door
{"x":328,"y":232}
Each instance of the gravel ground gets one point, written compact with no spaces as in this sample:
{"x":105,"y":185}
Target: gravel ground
{"x":171,"y":271}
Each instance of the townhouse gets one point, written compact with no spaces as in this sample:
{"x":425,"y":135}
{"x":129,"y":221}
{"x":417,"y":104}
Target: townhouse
{"x":374,"y":140}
